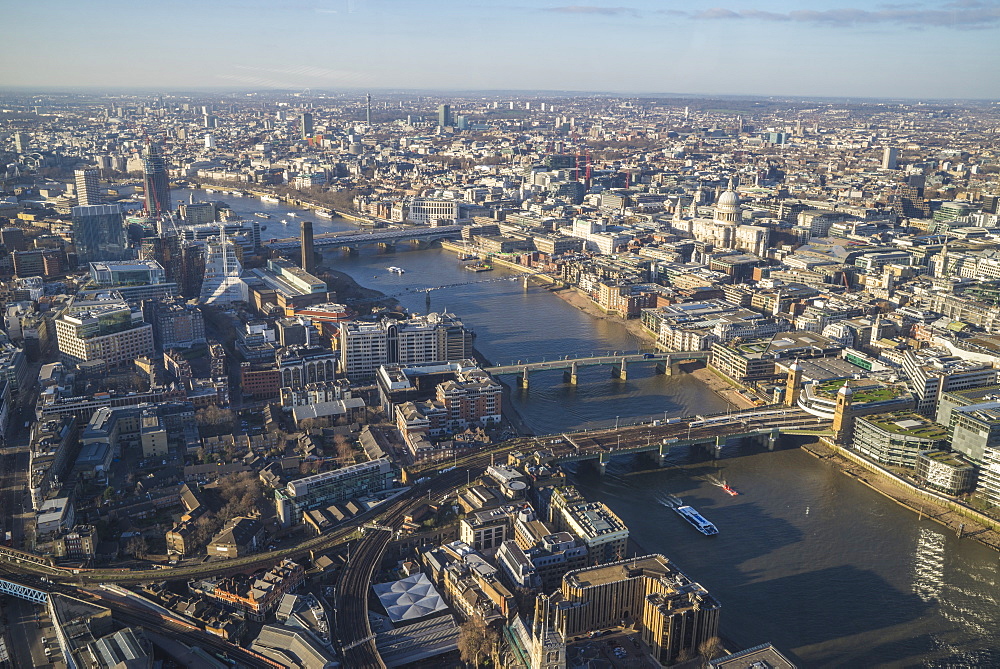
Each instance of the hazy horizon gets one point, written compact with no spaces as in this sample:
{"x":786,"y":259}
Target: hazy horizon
{"x":783,"y":48}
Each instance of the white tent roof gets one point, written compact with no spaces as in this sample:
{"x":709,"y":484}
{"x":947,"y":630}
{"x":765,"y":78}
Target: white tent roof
{"x":409,"y":598}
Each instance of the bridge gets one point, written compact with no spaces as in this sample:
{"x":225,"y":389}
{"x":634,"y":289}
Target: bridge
{"x":22,"y":591}
{"x":386,"y":237}
{"x":658,"y":438}
{"x":618,"y":362}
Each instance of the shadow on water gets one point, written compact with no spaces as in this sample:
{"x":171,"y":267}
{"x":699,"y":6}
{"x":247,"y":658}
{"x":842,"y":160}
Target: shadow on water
{"x":875,"y":604}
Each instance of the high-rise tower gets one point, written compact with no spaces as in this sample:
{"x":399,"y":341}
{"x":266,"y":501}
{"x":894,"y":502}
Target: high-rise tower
{"x":308,"y":253}
{"x":155,"y":181}
{"x":307,"y":125}
{"x":368,"y":108}
{"x":98,"y":233}
{"x":87,"y":190}
{"x":444,"y":116}
{"x":890,"y":157}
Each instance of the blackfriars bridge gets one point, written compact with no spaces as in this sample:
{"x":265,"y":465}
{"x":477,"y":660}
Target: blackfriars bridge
{"x":354,"y":240}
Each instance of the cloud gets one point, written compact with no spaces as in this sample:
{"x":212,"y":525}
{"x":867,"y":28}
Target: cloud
{"x":960,"y":14}
{"x":592,"y":9}
{"x":717,"y":13}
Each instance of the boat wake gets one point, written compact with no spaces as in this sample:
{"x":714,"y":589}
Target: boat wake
{"x":722,"y":484}
{"x":670,"y":501}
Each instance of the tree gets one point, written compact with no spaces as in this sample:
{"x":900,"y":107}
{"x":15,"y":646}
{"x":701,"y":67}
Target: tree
{"x":137,"y":547}
{"x":215,"y":421}
{"x":475,"y":641}
{"x":709,"y":648}
{"x":342,"y":445}
{"x":243,"y":494}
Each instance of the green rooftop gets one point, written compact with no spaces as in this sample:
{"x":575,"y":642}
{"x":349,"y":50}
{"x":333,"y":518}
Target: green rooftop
{"x":861,"y":394}
{"x":908,"y":423}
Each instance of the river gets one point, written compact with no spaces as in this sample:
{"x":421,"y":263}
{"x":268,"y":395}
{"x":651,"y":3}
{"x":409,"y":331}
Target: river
{"x":829,"y":571}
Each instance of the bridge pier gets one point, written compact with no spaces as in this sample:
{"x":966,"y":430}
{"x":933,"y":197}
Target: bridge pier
{"x":524,"y":281}
{"x":352,"y":251}
{"x":622,"y":372}
{"x":570,"y":375}
{"x":666,"y":367}
{"x":387,"y":247}
{"x":522,"y":378}
{"x":602,"y":463}
{"x":720,"y":441}
{"x":664,"y":452}
{"x":772,"y":439}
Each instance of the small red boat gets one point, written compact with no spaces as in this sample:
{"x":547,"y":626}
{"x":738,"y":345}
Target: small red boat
{"x":730,"y":490}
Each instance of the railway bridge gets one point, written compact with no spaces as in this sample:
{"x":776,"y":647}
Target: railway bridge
{"x":658,"y":438}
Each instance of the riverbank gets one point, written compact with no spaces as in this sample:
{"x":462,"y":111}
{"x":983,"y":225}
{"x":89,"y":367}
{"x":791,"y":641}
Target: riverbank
{"x":582,"y":301}
{"x":720,"y":387}
{"x":963,"y":525}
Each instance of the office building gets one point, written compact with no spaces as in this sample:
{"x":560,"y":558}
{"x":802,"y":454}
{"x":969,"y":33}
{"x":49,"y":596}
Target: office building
{"x":946,"y":472}
{"x":306,"y":125}
{"x":87,"y":189}
{"x":933,"y":372}
{"x":444,"y":116}
{"x":426,"y":211}
{"x":98,"y":233}
{"x":308,"y":252}
{"x":13,"y":239}
{"x":674,"y":615}
{"x":127,"y":273}
{"x":897,"y":438}
{"x":364,"y":347}
{"x":322,"y":490}
{"x":155,"y":181}
{"x":890,"y":156}
{"x":604,"y":533}
{"x":112,"y":333}
{"x":176,"y":324}
{"x":975,"y":430}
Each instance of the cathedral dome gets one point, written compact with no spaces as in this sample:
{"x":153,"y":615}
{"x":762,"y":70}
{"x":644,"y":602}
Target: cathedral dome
{"x":729,"y":199}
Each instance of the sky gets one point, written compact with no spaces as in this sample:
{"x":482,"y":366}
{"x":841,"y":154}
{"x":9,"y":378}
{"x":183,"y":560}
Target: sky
{"x":835,"y":48}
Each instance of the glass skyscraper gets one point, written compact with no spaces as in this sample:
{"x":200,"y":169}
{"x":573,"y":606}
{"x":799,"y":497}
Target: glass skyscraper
{"x":98,"y":233}
{"x":155,"y":181}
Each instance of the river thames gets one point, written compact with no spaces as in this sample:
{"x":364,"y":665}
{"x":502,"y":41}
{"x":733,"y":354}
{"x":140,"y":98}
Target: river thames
{"x":807,"y":558}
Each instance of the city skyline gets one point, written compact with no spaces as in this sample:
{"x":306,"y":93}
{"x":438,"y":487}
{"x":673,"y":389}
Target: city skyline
{"x":826,"y":48}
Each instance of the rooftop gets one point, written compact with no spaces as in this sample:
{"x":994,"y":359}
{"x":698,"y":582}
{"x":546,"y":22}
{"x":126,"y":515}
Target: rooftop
{"x":909,"y":424}
{"x":863,"y":392}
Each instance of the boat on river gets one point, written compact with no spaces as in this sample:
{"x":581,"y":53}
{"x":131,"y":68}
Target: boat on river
{"x":396,"y":270}
{"x":261,"y":214}
{"x":479,"y":267}
{"x":697,"y":520}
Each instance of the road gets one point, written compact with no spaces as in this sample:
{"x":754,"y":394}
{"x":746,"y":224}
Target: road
{"x":24,"y":633}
